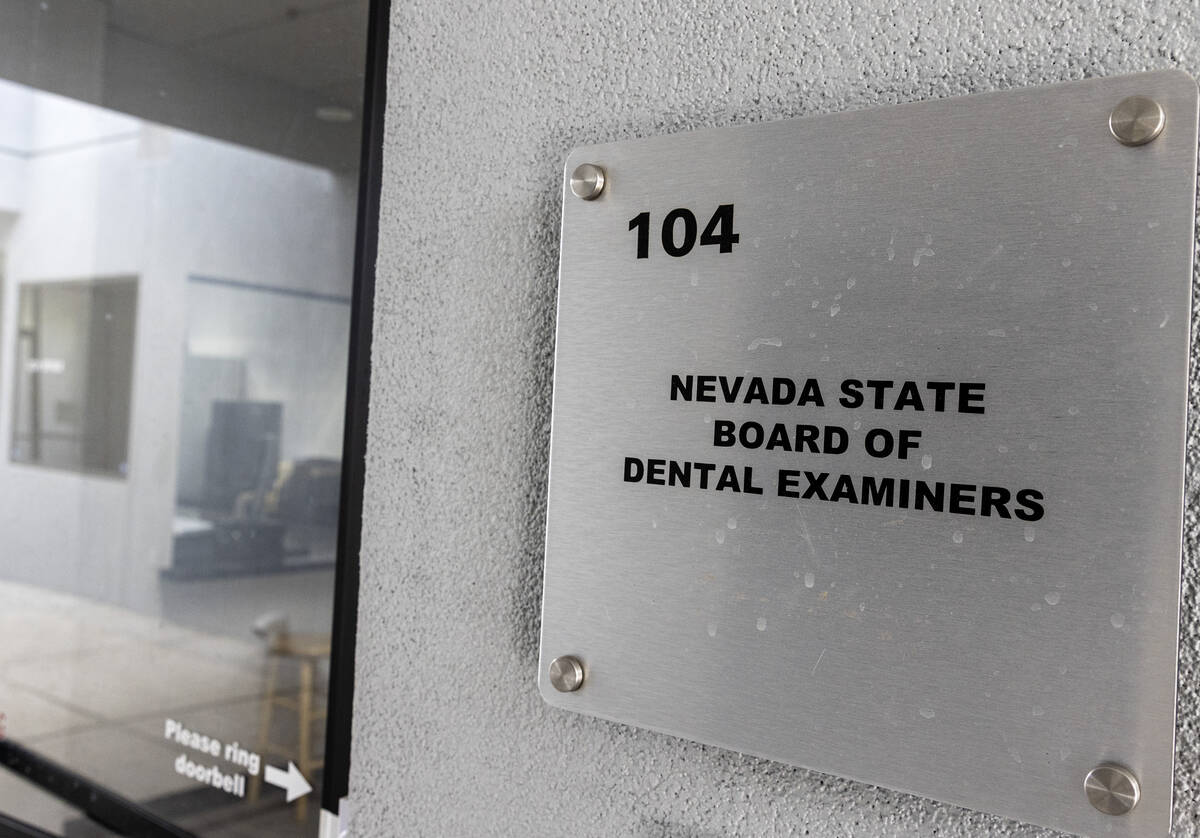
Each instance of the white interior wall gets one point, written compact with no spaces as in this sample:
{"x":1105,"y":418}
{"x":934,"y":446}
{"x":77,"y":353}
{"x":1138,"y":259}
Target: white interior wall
{"x":108,"y":195}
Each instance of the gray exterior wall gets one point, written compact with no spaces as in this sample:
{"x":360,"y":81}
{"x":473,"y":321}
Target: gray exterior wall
{"x":450,"y":735}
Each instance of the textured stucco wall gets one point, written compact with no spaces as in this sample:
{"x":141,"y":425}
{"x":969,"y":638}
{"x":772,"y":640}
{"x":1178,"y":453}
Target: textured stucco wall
{"x":450,"y":735}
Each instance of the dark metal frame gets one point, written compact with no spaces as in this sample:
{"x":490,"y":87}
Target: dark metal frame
{"x":105,"y":807}
{"x":336,"y":780}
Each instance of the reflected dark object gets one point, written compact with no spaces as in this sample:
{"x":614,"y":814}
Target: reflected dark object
{"x":224,"y":548}
{"x":310,"y":492}
{"x":103,"y":806}
{"x":286,"y":521}
{"x":243,"y":450}
{"x":75,"y":374}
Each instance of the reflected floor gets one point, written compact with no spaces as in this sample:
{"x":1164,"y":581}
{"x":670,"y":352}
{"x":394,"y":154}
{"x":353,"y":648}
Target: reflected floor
{"x":90,"y":686}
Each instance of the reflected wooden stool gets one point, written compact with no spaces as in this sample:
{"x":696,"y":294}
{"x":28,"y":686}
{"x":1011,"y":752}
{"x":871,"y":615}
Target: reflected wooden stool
{"x":309,"y":650}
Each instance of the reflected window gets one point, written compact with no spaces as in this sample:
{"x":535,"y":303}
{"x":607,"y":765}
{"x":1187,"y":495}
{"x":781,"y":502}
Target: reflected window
{"x":260,"y":428}
{"x":74,"y":374}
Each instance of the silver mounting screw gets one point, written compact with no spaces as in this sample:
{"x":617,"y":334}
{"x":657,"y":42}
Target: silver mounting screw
{"x":587,"y":181}
{"x":566,"y":674}
{"x":1136,"y":120}
{"x":1112,"y":789}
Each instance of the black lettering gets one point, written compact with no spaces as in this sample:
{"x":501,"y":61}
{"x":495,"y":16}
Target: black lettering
{"x":962,"y":498}
{"x":783,"y":390}
{"x":705,"y":470}
{"x":836,"y":440}
{"x":779,"y":438}
{"x":814,"y":486}
{"x":852,"y":396}
{"x":751,"y":435}
{"x":940,"y":388}
{"x":875,"y":434}
{"x":633,"y":470}
{"x":680,"y":474}
{"x":723,"y":433}
{"x":655,"y":471}
{"x":844,"y":489}
{"x":908,"y":440}
{"x":730,"y":393}
{"x":909,"y":396}
{"x":748,"y":482}
{"x":757,"y":391}
{"x":878,"y":492}
{"x":786,"y":486}
{"x":706,"y":387}
{"x":806,"y":438}
{"x":681,"y":388}
{"x":728,"y":480}
{"x":994,"y":498}
{"x":968,"y":394}
{"x":811,"y":394}
{"x":880,"y":387}
{"x":1030,"y":499}
{"x":932,"y":495}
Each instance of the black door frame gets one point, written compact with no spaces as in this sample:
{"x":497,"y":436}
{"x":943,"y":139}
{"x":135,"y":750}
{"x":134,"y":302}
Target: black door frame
{"x":336,"y":778}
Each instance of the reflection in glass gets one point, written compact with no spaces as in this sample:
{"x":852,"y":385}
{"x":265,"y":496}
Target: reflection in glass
{"x":74,"y":374}
{"x":178,"y":189}
{"x":260,"y":428}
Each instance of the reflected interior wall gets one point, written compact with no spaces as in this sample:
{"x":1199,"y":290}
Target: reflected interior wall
{"x":450,"y":734}
{"x":159,"y":204}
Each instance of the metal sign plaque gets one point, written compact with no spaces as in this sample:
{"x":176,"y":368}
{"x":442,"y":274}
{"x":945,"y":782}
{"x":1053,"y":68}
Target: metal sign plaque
{"x":868,"y":444}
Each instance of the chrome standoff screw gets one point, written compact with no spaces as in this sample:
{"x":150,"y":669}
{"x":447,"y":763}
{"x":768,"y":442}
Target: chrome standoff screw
{"x":1112,"y":789}
{"x":1136,"y":120}
{"x":587,"y":181}
{"x":566,"y":674}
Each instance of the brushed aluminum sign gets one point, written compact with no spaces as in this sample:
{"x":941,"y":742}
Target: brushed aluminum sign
{"x":868,"y":444}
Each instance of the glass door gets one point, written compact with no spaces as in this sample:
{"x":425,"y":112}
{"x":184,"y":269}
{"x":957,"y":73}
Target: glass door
{"x":179,"y":189}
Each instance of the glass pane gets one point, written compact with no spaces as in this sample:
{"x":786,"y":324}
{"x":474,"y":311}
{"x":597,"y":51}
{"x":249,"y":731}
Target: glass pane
{"x":178,"y":188}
